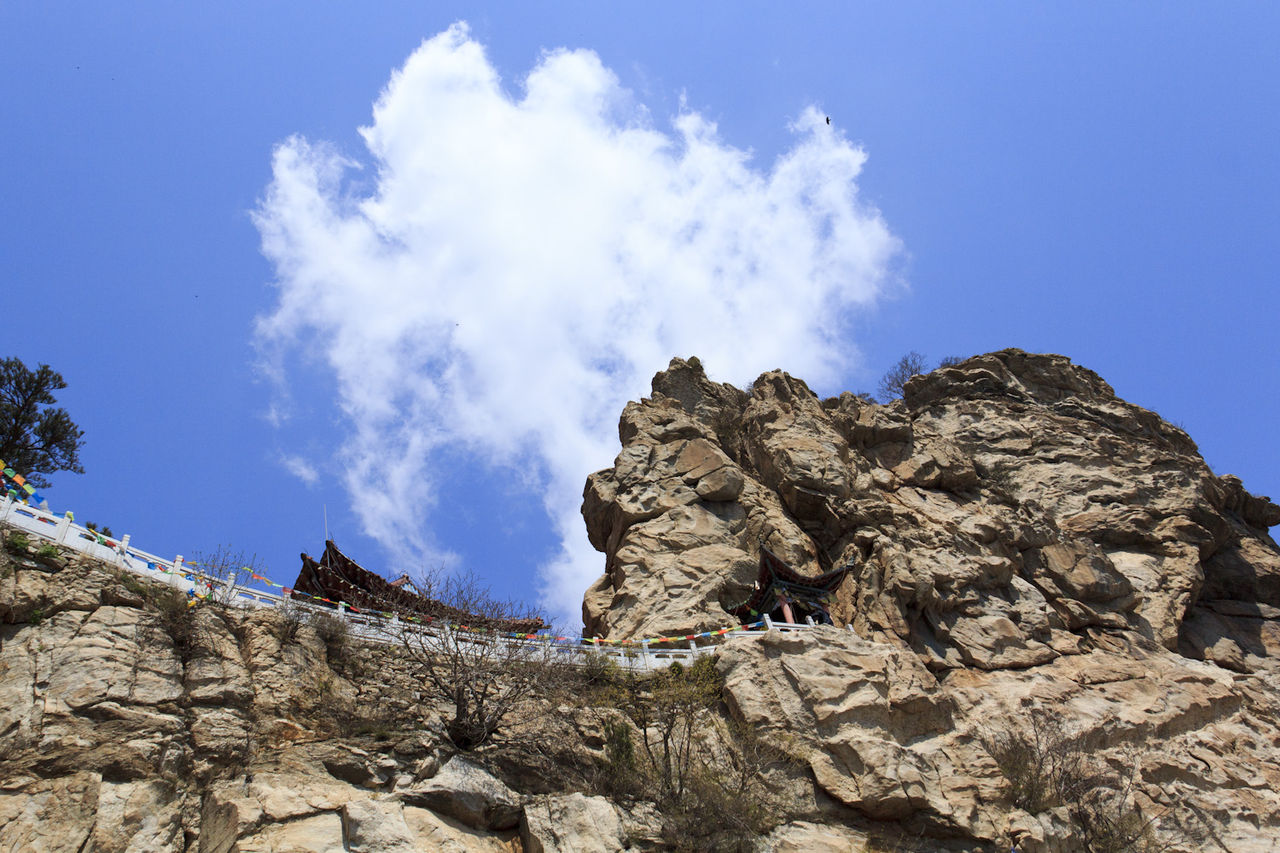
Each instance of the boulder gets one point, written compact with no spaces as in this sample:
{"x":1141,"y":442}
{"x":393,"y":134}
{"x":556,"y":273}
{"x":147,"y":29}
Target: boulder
{"x":572,"y":823}
{"x":370,"y":826}
{"x":467,"y":792}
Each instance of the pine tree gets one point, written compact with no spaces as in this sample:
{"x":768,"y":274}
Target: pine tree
{"x":36,"y":438}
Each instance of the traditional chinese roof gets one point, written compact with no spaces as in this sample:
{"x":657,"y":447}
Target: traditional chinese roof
{"x":776,"y":575}
{"x":337,"y":577}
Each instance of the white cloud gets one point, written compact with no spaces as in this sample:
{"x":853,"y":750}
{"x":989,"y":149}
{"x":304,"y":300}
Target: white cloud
{"x":300,"y":468}
{"x":513,"y":268}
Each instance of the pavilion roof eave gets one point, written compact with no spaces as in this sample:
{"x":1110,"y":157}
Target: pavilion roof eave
{"x":774,"y":573}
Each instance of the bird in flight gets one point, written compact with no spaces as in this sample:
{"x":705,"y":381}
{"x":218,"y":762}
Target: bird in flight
{"x":828,"y":119}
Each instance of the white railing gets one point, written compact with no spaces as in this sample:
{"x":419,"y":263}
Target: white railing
{"x":642,"y":655}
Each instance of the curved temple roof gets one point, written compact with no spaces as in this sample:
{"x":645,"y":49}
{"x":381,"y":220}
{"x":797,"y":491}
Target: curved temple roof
{"x":775,"y":574}
{"x":338,"y":577}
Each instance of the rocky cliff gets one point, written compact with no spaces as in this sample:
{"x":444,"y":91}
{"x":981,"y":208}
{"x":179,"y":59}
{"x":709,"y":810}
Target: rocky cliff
{"x":1059,"y":630}
{"x":132,"y":722}
{"x":1025,"y":546}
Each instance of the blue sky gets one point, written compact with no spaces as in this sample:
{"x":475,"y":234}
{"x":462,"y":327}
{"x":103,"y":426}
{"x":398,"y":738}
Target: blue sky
{"x":1094,"y":181}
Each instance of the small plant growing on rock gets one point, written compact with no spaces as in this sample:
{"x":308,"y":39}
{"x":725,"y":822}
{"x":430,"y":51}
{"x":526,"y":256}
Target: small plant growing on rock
{"x":704,"y":775}
{"x":730,"y":430}
{"x":133,"y":585}
{"x":1047,"y":766}
{"x":289,"y":619}
{"x":598,"y":674}
{"x":177,"y":618}
{"x":17,"y":543}
{"x":335,"y":634}
{"x":621,"y":769}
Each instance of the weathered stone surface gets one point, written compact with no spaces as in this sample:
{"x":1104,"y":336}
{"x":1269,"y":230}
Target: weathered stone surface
{"x":467,"y":792}
{"x":435,"y":832}
{"x":112,"y":657}
{"x":1019,"y":536}
{"x":370,"y":826}
{"x":320,"y":833}
{"x":1021,"y":540}
{"x":806,"y":837}
{"x":571,"y":824}
{"x":138,"y":816}
{"x":53,"y":815}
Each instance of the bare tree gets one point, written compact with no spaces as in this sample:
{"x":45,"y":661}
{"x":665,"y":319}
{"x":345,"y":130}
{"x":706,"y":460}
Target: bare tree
{"x":469,"y":658}
{"x":705,"y":775}
{"x":891,"y":384}
{"x":1046,"y":765}
{"x":228,"y":568}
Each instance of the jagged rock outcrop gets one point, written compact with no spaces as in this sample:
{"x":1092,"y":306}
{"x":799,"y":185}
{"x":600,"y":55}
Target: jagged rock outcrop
{"x":1020,"y":537}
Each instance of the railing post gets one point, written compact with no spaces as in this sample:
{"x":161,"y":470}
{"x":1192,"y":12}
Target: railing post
{"x":64,"y":526}
{"x":5,"y":506}
{"x":648,"y":661}
{"x":768,"y":623}
{"x":124,"y":550}
{"x":176,"y":577}
{"x":809,"y":619}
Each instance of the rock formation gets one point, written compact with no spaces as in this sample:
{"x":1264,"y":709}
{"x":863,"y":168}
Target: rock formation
{"x":130,"y":723}
{"x":1021,"y":539}
{"x":1025,"y":552}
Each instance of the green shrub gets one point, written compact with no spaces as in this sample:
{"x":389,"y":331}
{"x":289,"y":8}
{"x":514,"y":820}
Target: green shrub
{"x":597,"y":674}
{"x":47,"y":551}
{"x":134,"y":585}
{"x":621,"y":773}
{"x":17,"y":543}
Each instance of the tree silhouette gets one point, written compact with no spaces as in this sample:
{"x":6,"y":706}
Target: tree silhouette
{"x":892,"y":382}
{"x":36,"y":439}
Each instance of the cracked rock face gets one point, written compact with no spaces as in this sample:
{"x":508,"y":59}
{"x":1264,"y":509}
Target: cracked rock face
{"x":1020,"y":538}
{"x":114,"y":737}
{"x":130,"y":723}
